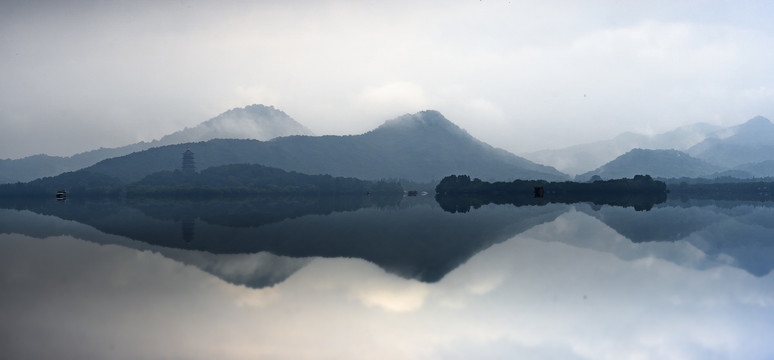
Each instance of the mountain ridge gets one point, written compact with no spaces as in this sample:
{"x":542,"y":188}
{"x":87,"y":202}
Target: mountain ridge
{"x":259,"y":122}
{"x":581,"y":158}
{"x":750,"y":142}
{"x":41,"y":165}
{"x":422,"y":147}
{"x":656,"y":163}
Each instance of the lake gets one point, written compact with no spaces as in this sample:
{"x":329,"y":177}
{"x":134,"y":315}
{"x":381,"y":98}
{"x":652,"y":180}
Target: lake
{"x":384,"y":278}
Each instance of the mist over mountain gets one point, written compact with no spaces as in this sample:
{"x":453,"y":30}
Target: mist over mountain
{"x":257,"y":122}
{"x":251,"y":122}
{"x":422,"y":147}
{"x":740,"y":151}
{"x":585,"y":157}
{"x":656,"y":163}
{"x":37,"y":166}
{"x":751,"y":142}
{"x":758,"y":169}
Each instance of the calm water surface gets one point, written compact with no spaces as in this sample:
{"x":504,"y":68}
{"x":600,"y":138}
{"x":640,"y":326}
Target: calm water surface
{"x":385,"y":279}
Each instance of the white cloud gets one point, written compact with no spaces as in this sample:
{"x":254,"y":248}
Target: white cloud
{"x":385,"y":98}
{"x":248,"y":95}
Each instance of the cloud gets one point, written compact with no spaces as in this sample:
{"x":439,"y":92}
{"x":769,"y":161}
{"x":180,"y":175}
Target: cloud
{"x":147,"y":69}
{"x":396,"y":297}
{"x":385,"y":98}
{"x":247,"y":95}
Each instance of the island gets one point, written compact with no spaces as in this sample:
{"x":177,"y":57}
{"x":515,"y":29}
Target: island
{"x":457,"y":193}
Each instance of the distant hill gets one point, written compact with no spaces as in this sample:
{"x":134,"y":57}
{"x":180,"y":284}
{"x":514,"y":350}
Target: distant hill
{"x":585,"y":157}
{"x":257,"y":122}
{"x":253,"y":122}
{"x":253,"y":179}
{"x":236,"y":180}
{"x":751,"y":142}
{"x":420,"y":147}
{"x":741,"y":151}
{"x":758,"y":169}
{"x":656,"y":163}
{"x":37,"y":166}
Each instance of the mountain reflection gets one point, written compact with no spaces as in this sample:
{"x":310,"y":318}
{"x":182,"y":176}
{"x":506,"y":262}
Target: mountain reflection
{"x":552,"y":291}
{"x":464,"y":202}
{"x":736,"y":232}
{"x":188,"y":223}
{"x":413,"y":237}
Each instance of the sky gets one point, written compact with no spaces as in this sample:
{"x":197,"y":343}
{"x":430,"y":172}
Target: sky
{"x":523,"y":76}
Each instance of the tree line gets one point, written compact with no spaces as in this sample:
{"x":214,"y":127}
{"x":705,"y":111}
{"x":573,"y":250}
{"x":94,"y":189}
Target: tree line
{"x":457,"y":193}
{"x":227,"y":180}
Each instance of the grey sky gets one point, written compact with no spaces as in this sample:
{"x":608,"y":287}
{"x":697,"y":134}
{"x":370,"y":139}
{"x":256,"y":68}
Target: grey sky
{"x":522,"y":76}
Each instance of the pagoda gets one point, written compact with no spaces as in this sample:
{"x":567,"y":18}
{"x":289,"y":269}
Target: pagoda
{"x":189,"y":166}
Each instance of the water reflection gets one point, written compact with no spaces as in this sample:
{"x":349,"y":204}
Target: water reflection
{"x":535,"y":295}
{"x":408,"y":280}
{"x":737,"y":233}
{"x":188,"y":224}
{"x":415,"y":238}
{"x":464,"y":202}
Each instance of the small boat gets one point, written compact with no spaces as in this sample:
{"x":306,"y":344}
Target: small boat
{"x":61,"y":195}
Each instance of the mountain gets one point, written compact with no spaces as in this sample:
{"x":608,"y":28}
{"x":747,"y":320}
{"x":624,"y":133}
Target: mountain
{"x":656,"y":163}
{"x":257,"y":122}
{"x":750,"y":142}
{"x":582,"y":158}
{"x":735,"y":151}
{"x":37,"y":166}
{"x":758,"y":169}
{"x":421,"y":147}
{"x":254,"y":122}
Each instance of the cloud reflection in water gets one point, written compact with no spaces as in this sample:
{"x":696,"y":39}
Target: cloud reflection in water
{"x":536,"y":295}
